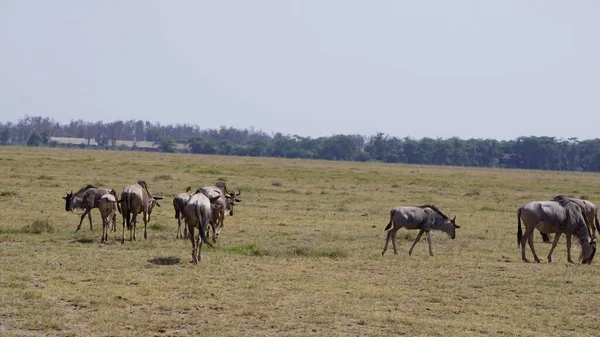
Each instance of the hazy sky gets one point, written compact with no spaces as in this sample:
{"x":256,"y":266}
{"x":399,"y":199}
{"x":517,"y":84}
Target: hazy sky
{"x":473,"y":69}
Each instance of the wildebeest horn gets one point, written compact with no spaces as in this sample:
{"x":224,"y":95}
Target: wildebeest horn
{"x":453,"y":219}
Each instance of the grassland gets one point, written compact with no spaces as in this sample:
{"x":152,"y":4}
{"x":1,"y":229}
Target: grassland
{"x":301,"y":256}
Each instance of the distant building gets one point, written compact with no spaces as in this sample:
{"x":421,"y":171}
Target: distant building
{"x":71,"y":141}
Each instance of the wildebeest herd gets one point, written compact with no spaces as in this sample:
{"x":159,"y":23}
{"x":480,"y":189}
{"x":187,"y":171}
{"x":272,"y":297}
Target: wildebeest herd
{"x":205,"y":209}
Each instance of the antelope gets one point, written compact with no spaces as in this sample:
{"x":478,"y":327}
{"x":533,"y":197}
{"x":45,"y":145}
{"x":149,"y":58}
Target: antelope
{"x":136,"y":199}
{"x":198,"y":214}
{"x":563,"y":216}
{"x":107,"y":206}
{"x":225,"y":203}
{"x":86,"y":198}
{"x":179,"y":203}
{"x":424,"y":218}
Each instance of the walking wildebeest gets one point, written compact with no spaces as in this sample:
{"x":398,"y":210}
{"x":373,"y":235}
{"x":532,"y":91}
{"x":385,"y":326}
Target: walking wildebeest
{"x":590,"y":210}
{"x":179,"y":203}
{"x":225,"y":203}
{"x":107,"y":206}
{"x":136,"y":199}
{"x":198,"y":214}
{"x":563,"y":216}
{"x":425,"y":218}
{"x":87,"y":198}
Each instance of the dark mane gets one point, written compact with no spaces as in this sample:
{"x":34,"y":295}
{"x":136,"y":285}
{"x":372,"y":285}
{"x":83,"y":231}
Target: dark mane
{"x":85,"y":188}
{"x":433,"y":207}
{"x":559,"y":198}
{"x":144,"y":186}
{"x":222,"y":186}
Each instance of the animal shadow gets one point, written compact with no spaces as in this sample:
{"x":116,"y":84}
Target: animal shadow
{"x":83,"y":241}
{"x":164,"y":261}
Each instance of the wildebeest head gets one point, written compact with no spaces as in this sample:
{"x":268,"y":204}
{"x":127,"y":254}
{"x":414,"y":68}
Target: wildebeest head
{"x":450,"y":227}
{"x":154,"y":202}
{"x":68,"y":198}
{"x":232,"y":198}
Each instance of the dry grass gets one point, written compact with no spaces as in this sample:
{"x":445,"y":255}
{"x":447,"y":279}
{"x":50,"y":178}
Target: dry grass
{"x":301,"y":256}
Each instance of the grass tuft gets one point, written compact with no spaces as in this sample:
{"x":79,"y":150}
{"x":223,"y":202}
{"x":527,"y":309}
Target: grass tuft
{"x":8,"y":194}
{"x":162,"y":177}
{"x":45,"y":177}
{"x":37,"y":227}
{"x":276,"y":184}
{"x":155,"y":226}
{"x":251,"y":249}
{"x":473,"y":193}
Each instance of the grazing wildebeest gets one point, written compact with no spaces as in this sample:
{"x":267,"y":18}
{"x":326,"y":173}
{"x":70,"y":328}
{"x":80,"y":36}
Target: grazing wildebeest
{"x":86,"y":198}
{"x":179,"y":203}
{"x":136,"y":199}
{"x":425,"y":218}
{"x":198,"y":213}
{"x":590,"y":210}
{"x":225,"y":203}
{"x":563,"y":216}
{"x":107,"y":206}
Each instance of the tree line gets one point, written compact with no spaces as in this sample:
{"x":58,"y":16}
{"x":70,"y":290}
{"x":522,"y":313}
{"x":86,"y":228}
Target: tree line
{"x":545,"y":153}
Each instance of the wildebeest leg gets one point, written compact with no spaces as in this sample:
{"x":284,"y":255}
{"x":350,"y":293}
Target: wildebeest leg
{"x":86,"y":212}
{"x":394,"y":234}
{"x":123,"y":237}
{"x":145,"y":225}
{"x":428,"y":236}
{"x":569,"y":248}
{"x":554,"y":243}
{"x":387,"y":240}
{"x":132,"y":227}
{"x":179,"y":235}
{"x":90,"y":218}
{"x":191,"y":231}
{"x":416,"y":240}
{"x":199,"y":243}
{"x":530,"y":241}
{"x":523,"y":241}
{"x":114,"y":222}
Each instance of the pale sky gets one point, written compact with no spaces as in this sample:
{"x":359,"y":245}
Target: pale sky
{"x":472,"y":69}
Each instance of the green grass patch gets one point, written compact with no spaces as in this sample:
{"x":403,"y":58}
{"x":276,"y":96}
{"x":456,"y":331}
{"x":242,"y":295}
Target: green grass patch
{"x":37,"y":227}
{"x":155,"y":226}
{"x":251,"y":249}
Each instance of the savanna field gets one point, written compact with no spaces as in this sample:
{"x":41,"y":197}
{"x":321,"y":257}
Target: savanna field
{"x":300,"y":257}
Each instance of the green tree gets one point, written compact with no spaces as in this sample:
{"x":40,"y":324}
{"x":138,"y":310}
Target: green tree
{"x":34,"y":140}
{"x":166,"y":144}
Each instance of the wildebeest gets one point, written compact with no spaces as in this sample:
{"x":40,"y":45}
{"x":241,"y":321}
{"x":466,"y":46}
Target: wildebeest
{"x":179,"y":203}
{"x":107,"y":206}
{"x":590,"y":210}
{"x":224,"y":203}
{"x":198,"y":213}
{"x":425,"y":218}
{"x":86,"y":198}
{"x":136,"y":199}
{"x":563,"y":216}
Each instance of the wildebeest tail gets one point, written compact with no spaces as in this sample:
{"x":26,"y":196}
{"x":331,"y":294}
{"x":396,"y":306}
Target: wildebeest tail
{"x":114,"y":194}
{"x":519,"y":230}
{"x":596,"y":220}
{"x":389,"y":225}
{"x":202,"y":226}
